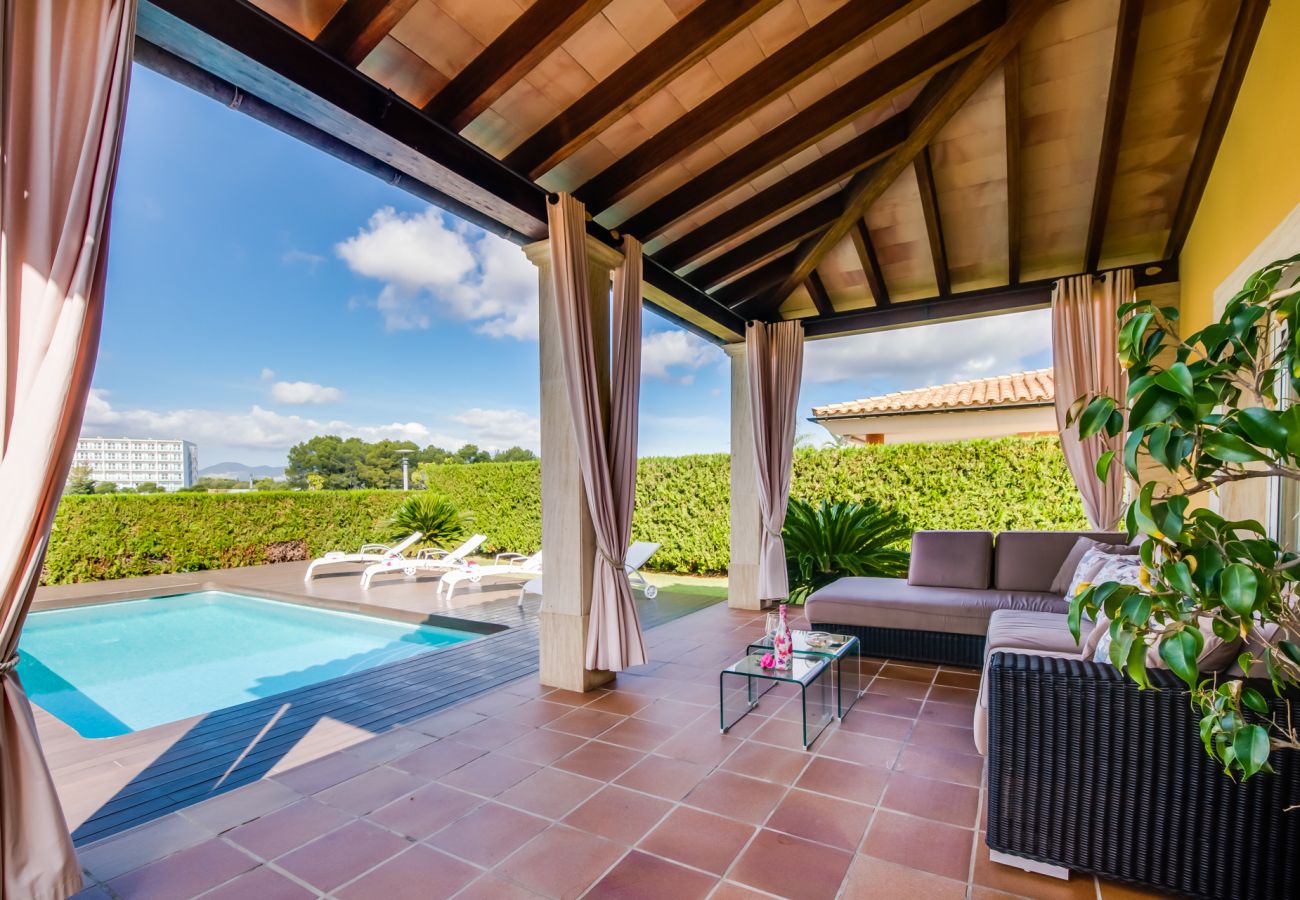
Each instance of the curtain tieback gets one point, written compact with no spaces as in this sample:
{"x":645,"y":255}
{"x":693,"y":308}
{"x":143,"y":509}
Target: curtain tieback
{"x":10,"y":663}
{"x":618,"y":564}
{"x":779,"y":535}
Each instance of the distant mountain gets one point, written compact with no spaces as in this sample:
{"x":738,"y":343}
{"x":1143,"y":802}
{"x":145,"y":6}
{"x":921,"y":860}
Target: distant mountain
{"x":241,"y":472}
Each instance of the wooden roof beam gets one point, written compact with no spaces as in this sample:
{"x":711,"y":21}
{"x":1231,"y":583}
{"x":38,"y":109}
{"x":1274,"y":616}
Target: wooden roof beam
{"x":695,"y":36}
{"x":958,"y":37}
{"x":933,"y":222}
{"x":1250,"y":18}
{"x":1121,"y":81}
{"x":737,"y":294}
{"x":358,"y":26}
{"x":809,"y":53}
{"x":528,"y":40}
{"x":864,"y":191}
{"x":783,"y":234}
{"x":820,"y":298}
{"x":862,"y":243}
{"x":1011,"y":82}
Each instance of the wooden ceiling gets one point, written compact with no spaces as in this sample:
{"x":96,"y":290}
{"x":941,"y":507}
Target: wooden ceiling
{"x":860,"y":164}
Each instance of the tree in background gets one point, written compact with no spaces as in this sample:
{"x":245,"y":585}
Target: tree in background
{"x":470,"y":453}
{"x":147,"y":487}
{"x":514,"y":454}
{"x":342,"y":465}
{"x":105,"y":487}
{"x":80,"y":481}
{"x":269,"y":484}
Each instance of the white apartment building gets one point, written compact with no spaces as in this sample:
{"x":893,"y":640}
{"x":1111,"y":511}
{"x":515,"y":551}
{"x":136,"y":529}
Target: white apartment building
{"x":129,"y":462}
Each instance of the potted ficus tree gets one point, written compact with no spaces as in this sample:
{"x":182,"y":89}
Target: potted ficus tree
{"x":1211,"y":408}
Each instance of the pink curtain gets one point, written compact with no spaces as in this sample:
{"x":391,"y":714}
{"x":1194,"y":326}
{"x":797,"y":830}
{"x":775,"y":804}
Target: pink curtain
{"x":1085,"y":338}
{"x":606,"y":450}
{"x":774,"y":358}
{"x":64,"y":72}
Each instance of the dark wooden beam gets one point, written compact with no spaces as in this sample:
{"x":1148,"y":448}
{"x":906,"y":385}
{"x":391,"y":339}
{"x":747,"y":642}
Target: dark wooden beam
{"x":810,"y":52}
{"x":779,"y":236}
{"x":358,"y":26}
{"x":529,"y":39}
{"x":1250,"y":18}
{"x":933,"y":221}
{"x":864,"y":191}
{"x":842,"y":162}
{"x":870,"y":263}
{"x":752,"y":284}
{"x":958,"y":37}
{"x":1011,"y":79}
{"x":1121,"y":80}
{"x":695,"y":36}
{"x":820,"y":298}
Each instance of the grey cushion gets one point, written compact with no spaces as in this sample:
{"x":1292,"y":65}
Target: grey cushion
{"x":1028,"y":633}
{"x":893,"y":603}
{"x":1030,"y":560}
{"x":952,"y":559}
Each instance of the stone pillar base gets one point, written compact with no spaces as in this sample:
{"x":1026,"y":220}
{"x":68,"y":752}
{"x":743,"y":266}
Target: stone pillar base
{"x":564,"y":641}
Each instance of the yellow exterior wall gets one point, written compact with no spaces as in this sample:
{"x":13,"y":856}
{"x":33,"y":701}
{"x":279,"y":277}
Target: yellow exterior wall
{"x":1255,"y":181}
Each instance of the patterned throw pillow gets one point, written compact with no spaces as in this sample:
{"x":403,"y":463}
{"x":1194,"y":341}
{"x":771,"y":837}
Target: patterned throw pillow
{"x":1089,"y":570}
{"x":1066,"y":575}
{"x":1120,"y":569}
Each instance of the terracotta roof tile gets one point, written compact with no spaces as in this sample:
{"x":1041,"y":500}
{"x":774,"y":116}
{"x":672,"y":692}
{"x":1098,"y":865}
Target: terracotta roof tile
{"x":1001,"y":390}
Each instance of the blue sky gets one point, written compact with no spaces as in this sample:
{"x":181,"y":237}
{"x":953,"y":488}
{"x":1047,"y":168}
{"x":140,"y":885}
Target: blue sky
{"x":260,"y":292}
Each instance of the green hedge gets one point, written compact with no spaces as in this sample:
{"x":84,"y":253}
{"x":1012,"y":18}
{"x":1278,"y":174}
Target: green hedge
{"x":682,"y":502}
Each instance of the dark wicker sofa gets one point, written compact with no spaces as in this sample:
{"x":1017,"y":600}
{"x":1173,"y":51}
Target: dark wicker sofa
{"x":1087,"y":772}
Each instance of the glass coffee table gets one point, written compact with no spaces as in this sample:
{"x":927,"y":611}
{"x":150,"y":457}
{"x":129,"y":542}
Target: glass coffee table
{"x":742,"y":683}
{"x":849,"y":686}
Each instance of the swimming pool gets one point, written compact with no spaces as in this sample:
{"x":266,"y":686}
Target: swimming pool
{"x":113,"y":668}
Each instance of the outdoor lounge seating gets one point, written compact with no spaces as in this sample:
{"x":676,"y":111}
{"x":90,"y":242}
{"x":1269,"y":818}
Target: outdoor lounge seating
{"x":369,"y":553}
{"x":506,"y":565}
{"x":638,"y":554}
{"x":428,"y":560}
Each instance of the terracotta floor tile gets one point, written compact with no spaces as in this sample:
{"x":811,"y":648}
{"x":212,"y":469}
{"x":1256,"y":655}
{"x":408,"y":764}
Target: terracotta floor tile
{"x":791,"y":867}
{"x":370,"y":790}
{"x":1113,"y":891}
{"x":573,"y":698}
{"x":184,"y":874}
{"x":437,"y":759}
{"x":447,"y":723}
{"x":492,"y":703}
{"x":698,"y":839}
{"x":670,"y":712}
{"x":826,"y":820}
{"x":920,"y":843}
{"x":729,"y":890}
{"x":489,"y":775}
{"x":618,"y":814}
{"x":970,"y":680}
{"x":955,"y":714}
{"x":488,"y":834}
{"x":898,"y":687}
{"x":601,"y":761}
{"x":398,"y":742}
{"x":944,"y":765}
{"x":535,"y":713}
{"x":872,"y":877}
{"x":420,"y":873}
{"x":432,"y":807}
{"x":621,"y":703}
{"x":587,"y":723}
{"x":491,"y":734}
{"x":890,"y":706}
{"x":846,"y":780}
{"x":735,"y":796}
{"x":550,"y":793}
{"x":956,"y":695}
{"x":778,"y":732}
{"x":542,"y":746}
{"x":944,"y":737}
{"x":561,"y":861}
{"x":490,"y":887}
{"x":640,"y":734}
{"x":700,"y":744}
{"x":942,"y":801}
{"x":1028,"y":884}
{"x":641,"y":877}
{"x":672,"y":779}
{"x":225,"y":811}
{"x":859,"y":748}
{"x":893,"y":728}
{"x":767,"y":762}
{"x":342,"y":855}
{"x":155,"y":840}
{"x":909,"y":671}
{"x":289,"y":828}
{"x":323,"y":773}
{"x":262,"y":883}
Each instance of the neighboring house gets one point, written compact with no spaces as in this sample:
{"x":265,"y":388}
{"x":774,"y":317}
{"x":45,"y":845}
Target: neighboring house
{"x":129,"y":462}
{"x":1019,"y":404}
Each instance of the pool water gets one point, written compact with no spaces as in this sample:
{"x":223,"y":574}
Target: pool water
{"x":113,"y":668}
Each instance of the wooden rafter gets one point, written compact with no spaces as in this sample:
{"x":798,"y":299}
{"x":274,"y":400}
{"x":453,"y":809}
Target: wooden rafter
{"x":1121,"y":80}
{"x":820,"y":298}
{"x":528,"y":40}
{"x":815,"y":49}
{"x":697,"y":34}
{"x":933,"y":221}
{"x":359,"y":25}
{"x":866,"y":250}
{"x":956,"y":38}
{"x":1011,"y":81}
{"x":738,"y":293}
{"x":864,"y":191}
{"x":780,"y":236}
{"x":1250,"y":18}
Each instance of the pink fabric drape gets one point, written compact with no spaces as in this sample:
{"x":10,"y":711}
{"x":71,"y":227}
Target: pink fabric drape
{"x":606,"y":449}
{"x":1085,"y":338}
{"x":774,"y":360}
{"x":64,"y":72}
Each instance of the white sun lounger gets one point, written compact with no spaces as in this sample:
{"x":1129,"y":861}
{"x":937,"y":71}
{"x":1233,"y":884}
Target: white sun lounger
{"x":369,"y":553}
{"x":506,"y":565}
{"x":638,"y":554}
{"x":429,"y":560}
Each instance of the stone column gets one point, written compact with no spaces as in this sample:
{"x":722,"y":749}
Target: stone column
{"x":567,"y":536}
{"x":746,"y":520}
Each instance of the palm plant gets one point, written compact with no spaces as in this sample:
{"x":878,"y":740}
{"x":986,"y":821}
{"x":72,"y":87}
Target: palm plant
{"x":838,"y":538}
{"x":441,"y":522}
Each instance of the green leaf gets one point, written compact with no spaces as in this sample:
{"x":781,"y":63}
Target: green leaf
{"x":1239,"y":586}
{"x":1095,"y":416}
{"x":1179,"y":577}
{"x":1264,"y":427}
{"x":1103,"y":464}
{"x":1155,"y":405}
{"x":1254,"y":700}
{"x":1230,"y":448}
{"x":1250,"y":746}
{"x":1177,"y":378}
{"x":1179,"y":651}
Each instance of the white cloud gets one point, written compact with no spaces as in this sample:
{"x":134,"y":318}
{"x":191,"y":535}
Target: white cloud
{"x":497,"y":429}
{"x":300,"y":393}
{"x":932,"y":354}
{"x":256,"y":429}
{"x":429,"y":267}
{"x":665,"y":354}
{"x":311,"y":260}
{"x":267,"y":374}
